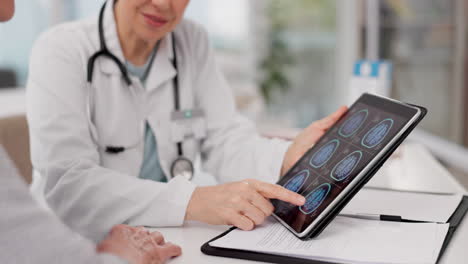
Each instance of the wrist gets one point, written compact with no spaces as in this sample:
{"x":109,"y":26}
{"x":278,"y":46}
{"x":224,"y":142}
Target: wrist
{"x":193,"y":205}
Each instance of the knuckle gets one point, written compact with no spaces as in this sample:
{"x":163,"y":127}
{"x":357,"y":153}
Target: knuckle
{"x":146,"y":257}
{"x":103,"y":246}
{"x":261,"y":220}
{"x":226,"y":215}
{"x":117,"y":229}
{"x":244,"y":226}
{"x":235,"y":199}
{"x":156,"y":233}
{"x":113,"y":230}
{"x":270,"y":210}
{"x":243,"y":187}
{"x":287,"y":193}
{"x":246,"y":223}
{"x":158,"y":236}
{"x":250,"y":225}
{"x":178,"y":250}
{"x":155,"y":255}
{"x":254,"y":182}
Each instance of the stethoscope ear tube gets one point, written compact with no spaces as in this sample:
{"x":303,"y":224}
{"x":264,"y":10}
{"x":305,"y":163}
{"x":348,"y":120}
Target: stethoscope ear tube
{"x":105,"y":53}
{"x":90,"y":68}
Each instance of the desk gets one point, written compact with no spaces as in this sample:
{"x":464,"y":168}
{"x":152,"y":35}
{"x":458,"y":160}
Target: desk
{"x":193,"y":235}
{"x":433,"y":176}
{"x":428,"y":176}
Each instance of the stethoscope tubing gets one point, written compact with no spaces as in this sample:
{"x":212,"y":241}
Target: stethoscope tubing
{"x":104,"y":52}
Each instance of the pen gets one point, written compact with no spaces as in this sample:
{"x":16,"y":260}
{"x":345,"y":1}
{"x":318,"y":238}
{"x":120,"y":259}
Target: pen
{"x":380,"y":217}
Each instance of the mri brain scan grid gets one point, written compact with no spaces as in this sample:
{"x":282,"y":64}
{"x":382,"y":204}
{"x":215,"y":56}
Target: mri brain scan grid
{"x":337,"y":160}
{"x":336,"y":166}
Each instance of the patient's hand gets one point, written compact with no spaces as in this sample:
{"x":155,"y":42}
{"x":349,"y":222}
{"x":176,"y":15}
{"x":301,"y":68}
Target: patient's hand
{"x":138,"y":246}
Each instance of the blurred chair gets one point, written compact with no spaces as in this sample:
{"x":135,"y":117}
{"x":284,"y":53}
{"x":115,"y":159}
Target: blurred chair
{"x":14,"y":136}
{"x":7,"y":78}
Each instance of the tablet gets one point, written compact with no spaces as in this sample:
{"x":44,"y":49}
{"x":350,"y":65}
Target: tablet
{"x":343,"y":160}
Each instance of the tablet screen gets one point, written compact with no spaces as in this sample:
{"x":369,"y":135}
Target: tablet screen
{"x":339,"y":157}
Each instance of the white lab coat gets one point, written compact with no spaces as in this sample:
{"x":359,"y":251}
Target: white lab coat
{"x":92,"y":190}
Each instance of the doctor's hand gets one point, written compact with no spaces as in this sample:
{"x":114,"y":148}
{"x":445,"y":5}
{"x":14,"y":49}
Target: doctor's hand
{"x":308,"y":137}
{"x":138,"y":246}
{"x":242,"y":204}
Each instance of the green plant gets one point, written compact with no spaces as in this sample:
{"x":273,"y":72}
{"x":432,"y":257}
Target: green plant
{"x":289,"y":16}
{"x":278,"y":56}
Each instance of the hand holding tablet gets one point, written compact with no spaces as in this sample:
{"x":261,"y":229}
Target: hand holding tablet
{"x":308,"y":137}
{"x":343,"y":160}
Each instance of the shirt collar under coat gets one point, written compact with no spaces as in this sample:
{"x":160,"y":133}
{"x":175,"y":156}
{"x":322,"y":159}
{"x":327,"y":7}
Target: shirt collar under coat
{"x":162,"y":69}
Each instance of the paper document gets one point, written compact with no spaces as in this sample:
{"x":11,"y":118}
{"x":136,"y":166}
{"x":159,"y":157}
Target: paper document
{"x":409,"y":205}
{"x":346,"y":240}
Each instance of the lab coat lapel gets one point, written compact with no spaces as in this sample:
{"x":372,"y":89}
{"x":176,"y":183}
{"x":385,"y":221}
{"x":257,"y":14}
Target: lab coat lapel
{"x":162,"y":69}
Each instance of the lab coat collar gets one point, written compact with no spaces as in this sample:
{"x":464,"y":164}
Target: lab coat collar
{"x":162,"y":69}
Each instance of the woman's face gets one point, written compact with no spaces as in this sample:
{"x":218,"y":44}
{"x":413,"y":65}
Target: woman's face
{"x":7,"y":8}
{"x":151,"y":20}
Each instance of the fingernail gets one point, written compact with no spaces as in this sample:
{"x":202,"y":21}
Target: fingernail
{"x":301,"y":199}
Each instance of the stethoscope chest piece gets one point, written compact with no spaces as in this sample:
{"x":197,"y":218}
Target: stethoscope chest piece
{"x":182,"y":167}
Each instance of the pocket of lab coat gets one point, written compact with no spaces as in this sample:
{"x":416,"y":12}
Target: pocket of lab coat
{"x":127,"y":161}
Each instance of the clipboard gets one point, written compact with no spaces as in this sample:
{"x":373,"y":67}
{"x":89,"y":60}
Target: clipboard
{"x":454,"y":221}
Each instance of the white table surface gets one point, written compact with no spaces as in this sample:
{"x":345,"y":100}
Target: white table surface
{"x":426,"y":174}
{"x":193,"y":235}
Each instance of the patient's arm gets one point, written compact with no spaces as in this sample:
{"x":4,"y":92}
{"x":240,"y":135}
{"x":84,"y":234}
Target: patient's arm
{"x":28,"y":234}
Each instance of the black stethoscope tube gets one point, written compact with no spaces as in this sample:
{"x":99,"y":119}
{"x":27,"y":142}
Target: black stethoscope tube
{"x":104,"y":52}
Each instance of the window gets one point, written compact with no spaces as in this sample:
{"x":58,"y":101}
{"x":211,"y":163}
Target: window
{"x":18,"y":35}
{"x":426,"y":41}
{"x":279,"y":57}
{"x":31,"y":18}
{"x":304,"y":35}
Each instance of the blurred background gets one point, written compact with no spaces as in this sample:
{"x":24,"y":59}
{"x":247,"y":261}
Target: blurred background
{"x":290,"y":62}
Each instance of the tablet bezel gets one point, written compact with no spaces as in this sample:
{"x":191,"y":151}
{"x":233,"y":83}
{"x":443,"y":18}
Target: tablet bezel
{"x":385,"y":104}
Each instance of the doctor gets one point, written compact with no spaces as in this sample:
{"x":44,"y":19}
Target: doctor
{"x":120,"y":106}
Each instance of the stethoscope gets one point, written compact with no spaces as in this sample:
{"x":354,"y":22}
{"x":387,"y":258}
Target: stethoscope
{"x":181,"y":166}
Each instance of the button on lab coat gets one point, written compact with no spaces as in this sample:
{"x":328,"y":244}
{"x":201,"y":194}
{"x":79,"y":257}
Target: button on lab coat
{"x":91,"y":190}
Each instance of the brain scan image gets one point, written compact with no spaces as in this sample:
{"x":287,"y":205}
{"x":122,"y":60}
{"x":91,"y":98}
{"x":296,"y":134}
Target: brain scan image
{"x":295,"y":183}
{"x":315,"y":198}
{"x":324,"y":154}
{"x":352,"y":125}
{"x":343,"y":159}
{"x":376,"y":135}
{"x":343,"y":169}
